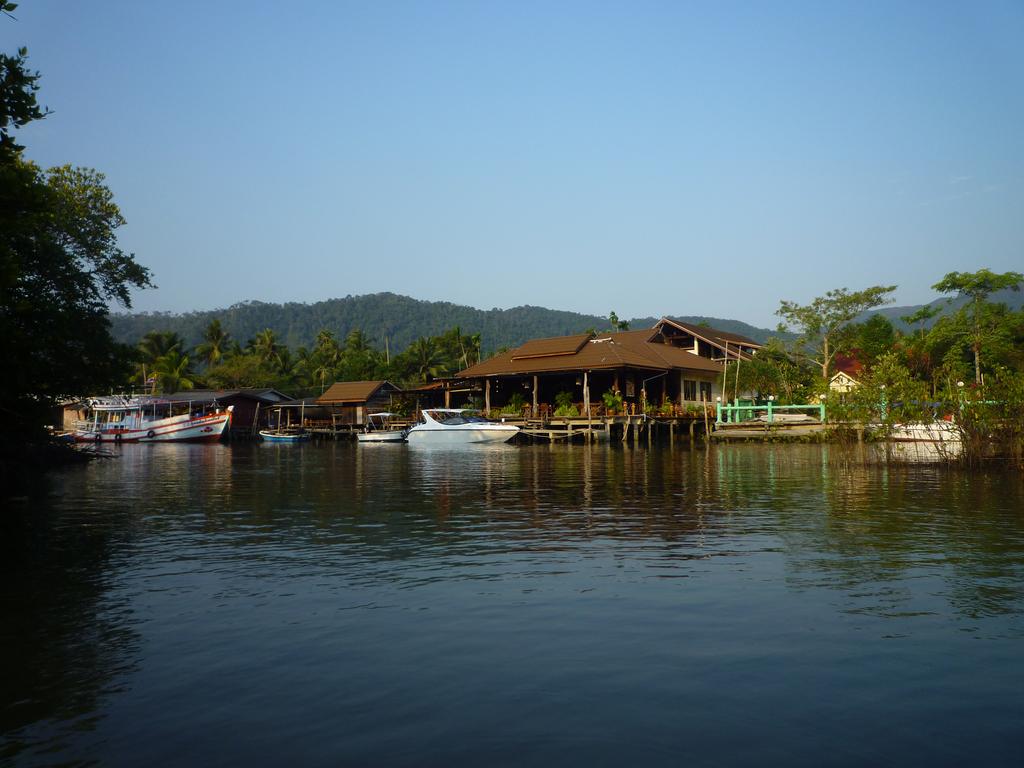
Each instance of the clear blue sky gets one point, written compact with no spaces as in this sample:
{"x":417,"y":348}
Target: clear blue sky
{"x":651,"y":158}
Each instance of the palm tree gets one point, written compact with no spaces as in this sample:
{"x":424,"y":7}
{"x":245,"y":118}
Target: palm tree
{"x":321,"y":367}
{"x":471,"y":351}
{"x":265,"y":346}
{"x":172,"y":372}
{"x":326,"y":343}
{"x":215,"y":346}
{"x":156,"y":344}
{"x":325,"y":358}
{"x":427,"y":359}
{"x":356,"y":342}
{"x":151,"y":348}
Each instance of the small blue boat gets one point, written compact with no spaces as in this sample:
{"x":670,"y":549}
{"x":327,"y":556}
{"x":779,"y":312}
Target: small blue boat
{"x":284,"y":435}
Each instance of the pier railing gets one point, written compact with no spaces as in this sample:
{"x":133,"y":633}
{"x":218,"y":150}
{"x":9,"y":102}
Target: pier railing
{"x":736,"y":413}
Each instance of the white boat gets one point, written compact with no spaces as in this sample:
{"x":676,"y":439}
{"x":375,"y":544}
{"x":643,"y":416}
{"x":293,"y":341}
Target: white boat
{"x":925,"y":441}
{"x":922,"y":432}
{"x":144,"y":419}
{"x":380,"y":430}
{"x":458,"y":426}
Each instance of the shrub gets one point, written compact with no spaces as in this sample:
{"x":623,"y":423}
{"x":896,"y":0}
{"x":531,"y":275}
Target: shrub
{"x":612,"y":401}
{"x":564,"y":406}
{"x":515,"y":405}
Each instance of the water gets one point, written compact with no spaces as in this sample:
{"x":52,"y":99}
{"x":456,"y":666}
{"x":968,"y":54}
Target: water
{"x":384,"y":605}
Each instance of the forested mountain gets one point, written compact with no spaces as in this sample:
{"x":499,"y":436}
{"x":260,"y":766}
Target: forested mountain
{"x":1014,"y":300}
{"x":401,"y":320}
{"x":380,"y":316}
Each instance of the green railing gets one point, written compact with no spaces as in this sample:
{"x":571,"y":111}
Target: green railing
{"x":736,"y":413}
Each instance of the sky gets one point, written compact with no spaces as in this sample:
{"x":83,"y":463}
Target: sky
{"x":644,"y":157}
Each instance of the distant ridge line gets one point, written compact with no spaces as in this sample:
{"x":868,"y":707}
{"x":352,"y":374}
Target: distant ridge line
{"x":401,"y":319}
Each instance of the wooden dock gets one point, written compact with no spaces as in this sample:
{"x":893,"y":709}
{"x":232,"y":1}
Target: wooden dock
{"x":621,"y":428}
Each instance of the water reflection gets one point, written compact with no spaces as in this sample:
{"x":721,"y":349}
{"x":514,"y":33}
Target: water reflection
{"x":139,"y":578}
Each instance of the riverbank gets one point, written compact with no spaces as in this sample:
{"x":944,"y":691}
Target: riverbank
{"x":24,"y":464}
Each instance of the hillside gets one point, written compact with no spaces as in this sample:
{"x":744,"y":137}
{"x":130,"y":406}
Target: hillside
{"x":1013,"y":299}
{"x":399,"y":318}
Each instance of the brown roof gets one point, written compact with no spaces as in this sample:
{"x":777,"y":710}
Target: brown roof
{"x":559,"y":345}
{"x":351,"y":391}
{"x":626,"y":349}
{"x":713,"y":334}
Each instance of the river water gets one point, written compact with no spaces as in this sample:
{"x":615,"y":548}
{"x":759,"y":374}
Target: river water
{"x":338,"y":604}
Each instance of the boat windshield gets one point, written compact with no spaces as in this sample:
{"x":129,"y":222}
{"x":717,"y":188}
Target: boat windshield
{"x":454,"y":418}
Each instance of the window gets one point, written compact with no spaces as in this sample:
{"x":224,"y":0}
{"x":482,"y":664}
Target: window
{"x":689,"y":390}
{"x":705,"y":391}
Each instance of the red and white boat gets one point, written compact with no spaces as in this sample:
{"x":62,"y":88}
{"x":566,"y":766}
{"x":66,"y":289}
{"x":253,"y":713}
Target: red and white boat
{"x":145,"y":419}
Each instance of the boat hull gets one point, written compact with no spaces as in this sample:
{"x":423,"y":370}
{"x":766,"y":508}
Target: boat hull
{"x":183,"y":428}
{"x":462,"y":435}
{"x":270,"y":437}
{"x":392,"y":436}
{"x":934,"y":441}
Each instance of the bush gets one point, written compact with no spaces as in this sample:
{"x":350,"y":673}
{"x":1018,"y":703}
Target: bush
{"x":612,"y":401}
{"x":515,"y":405}
{"x":564,"y":406}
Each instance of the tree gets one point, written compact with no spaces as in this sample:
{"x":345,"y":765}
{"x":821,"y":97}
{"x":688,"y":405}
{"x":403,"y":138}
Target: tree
{"x":156,"y":344}
{"x":920,"y":317}
{"x":323,"y":362}
{"x":821,"y":322}
{"x":151,"y":347}
{"x":427,"y":361}
{"x":772,"y":371}
{"x":266,"y":348}
{"x":18,"y":105}
{"x":215,"y":343}
{"x":977,"y":287}
{"x":458,"y":350}
{"x":242,"y":371}
{"x":873,"y":338}
{"x":616,"y":324}
{"x":173,"y":372}
{"x":59,"y":268}
{"x":887,"y":395}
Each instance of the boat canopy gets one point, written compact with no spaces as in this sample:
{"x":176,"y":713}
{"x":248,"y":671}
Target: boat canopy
{"x":454,"y":416}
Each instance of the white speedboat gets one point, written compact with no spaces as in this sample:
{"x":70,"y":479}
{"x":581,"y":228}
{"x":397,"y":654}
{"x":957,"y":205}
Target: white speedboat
{"x":925,"y":441}
{"x":143,"y":419}
{"x":922,"y":432}
{"x":380,"y":430}
{"x":458,"y":426}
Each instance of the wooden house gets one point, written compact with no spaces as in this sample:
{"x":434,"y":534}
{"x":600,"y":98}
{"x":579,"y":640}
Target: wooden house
{"x":667,"y":363}
{"x":848,"y":370}
{"x":251,"y":404}
{"x":707,"y":342}
{"x":350,"y":401}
